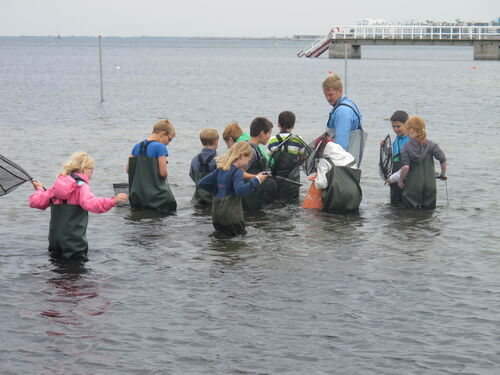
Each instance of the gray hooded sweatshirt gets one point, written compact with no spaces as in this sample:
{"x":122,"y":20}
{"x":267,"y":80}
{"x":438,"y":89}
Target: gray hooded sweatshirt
{"x":414,"y":152}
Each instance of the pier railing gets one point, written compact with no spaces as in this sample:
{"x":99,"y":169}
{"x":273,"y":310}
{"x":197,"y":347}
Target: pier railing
{"x":427,"y":32}
{"x":408,"y":33}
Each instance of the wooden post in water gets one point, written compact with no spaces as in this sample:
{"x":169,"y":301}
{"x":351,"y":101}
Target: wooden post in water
{"x":345,"y":68}
{"x":100,"y":68}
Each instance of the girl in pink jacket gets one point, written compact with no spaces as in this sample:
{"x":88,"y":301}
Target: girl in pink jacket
{"x":70,"y":199}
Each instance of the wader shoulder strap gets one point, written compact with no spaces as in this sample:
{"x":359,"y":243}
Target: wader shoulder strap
{"x":144,"y":148}
{"x":347,"y":105}
{"x":256,"y":149}
{"x":205,"y":164}
{"x":347,"y":165}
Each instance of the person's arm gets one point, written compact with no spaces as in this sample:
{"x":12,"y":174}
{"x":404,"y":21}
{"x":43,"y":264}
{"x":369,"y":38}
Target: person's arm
{"x":209,"y":182}
{"x":242,"y":188}
{"x":128,"y":162}
{"x":443,"y":174}
{"x":404,"y":171}
{"x":441,"y":157}
{"x":321,"y":181}
{"x":162,"y":166}
{"x":393,"y":178}
{"x":90,"y":202}
{"x":40,"y":198}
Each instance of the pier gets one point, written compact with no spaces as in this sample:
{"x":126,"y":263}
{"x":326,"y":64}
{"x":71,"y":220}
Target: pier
{"x":349,"y":39}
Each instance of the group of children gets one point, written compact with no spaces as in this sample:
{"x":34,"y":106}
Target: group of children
{"x":256,"y":170}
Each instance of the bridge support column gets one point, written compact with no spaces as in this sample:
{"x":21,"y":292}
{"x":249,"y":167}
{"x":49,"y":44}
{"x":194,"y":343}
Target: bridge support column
{"x":487,"y":50}
{"x":337,"y":51}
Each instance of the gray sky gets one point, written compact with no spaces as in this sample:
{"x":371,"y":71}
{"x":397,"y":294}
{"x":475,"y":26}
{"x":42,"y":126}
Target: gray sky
{"x":231,"y":18}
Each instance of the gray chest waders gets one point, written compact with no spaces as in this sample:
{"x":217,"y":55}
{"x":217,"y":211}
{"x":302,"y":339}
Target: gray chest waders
{"x":265,"y":192}
{"x":343,"y":192}
{"x":147,"y":189}
{"x":201,"y":196}
{"x":68,"y":231}
{"x":420,"y":185}
{"x":357,"y":137}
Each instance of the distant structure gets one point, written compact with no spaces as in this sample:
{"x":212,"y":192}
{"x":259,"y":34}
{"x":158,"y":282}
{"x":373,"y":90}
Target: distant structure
{"x":342,"y":40}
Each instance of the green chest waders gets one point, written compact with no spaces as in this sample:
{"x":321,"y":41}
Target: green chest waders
{"x":343,"y":192}
{"x":265,"y":192}
{"x":420,"y":185}
{"x":396,"y":191}
{"x":147,"y":189}
{"x":227,"y":215}
{"x":201,"y":196}
{"x":68,"y":231}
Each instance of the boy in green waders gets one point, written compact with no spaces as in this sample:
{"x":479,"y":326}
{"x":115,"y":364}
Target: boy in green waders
{"x":204,"y":163}
{"x":147,"y":171}
{"x":260,"y":132}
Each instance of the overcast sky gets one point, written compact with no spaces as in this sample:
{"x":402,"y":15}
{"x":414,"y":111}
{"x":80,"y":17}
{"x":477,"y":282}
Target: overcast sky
{"x":230,"y":18}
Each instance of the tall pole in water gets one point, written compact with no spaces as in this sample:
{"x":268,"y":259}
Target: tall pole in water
{"x":345,"y":68}
{"x":100,"y":69}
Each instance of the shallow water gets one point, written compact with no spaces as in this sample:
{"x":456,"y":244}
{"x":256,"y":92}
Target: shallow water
{"x":384,"y":291}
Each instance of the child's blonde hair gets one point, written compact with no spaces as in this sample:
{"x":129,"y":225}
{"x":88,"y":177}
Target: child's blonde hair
{"x":208,"y":137}
{"x":240,"y":149}
{"x":332,"y":82}
{"x":418,"y":126}
{"x":232,"y":131}
{"x":164,"y":126}
{"x":78,"y":162}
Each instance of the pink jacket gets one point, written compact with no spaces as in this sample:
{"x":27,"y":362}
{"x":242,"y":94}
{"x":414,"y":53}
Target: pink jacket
{"x":66,"y":188}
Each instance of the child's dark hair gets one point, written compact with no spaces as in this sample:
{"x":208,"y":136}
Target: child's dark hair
{"x":286,"y":120}
{"x":260,"y":124}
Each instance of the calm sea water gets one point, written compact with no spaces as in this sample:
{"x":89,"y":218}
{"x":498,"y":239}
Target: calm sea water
{"x":381,"y":292}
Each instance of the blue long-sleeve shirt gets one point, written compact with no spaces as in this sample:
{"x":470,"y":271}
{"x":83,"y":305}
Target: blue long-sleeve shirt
{"x":343,"y":120}
{"x":229,"y":182}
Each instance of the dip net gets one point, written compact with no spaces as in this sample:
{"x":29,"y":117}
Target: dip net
{"x":11,"y":175}
{"x":315,"y":152}
{"x":385,"y":162}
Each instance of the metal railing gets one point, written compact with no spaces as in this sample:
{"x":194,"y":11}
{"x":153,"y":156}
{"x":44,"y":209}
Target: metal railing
{"x":408,"y":32}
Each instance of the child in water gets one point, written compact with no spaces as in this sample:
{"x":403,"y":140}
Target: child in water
{"x":418,"y":176}
{"x":398,"y":120}
{"x":287,"y":152}
{"x":233,"y":134}
{"x":147,"y":171}
{"x":204,"y":163}
{"x":70,"y":199}
{"x":227,"y":183}
{"x":260,"y":132}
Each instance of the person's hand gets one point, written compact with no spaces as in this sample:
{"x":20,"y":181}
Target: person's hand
{"x":122,"y":197}
{"x":382,"y":143}
{"x":443,"y":177}
{"x":401,"y":185}
{"x":387,"y":182}
{"x":261,"y":176}
{"x":37,"y":184}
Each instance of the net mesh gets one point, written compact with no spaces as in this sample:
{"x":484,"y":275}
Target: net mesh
{"x":385,"y":163}
{"x":11,"y":175}
{"x":315,"y":152}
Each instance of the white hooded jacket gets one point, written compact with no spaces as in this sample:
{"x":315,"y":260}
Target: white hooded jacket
{"x":338,"y":156}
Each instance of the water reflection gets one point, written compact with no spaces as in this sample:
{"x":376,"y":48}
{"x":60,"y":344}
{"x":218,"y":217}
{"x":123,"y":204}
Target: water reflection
{"x":72,"y":296}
